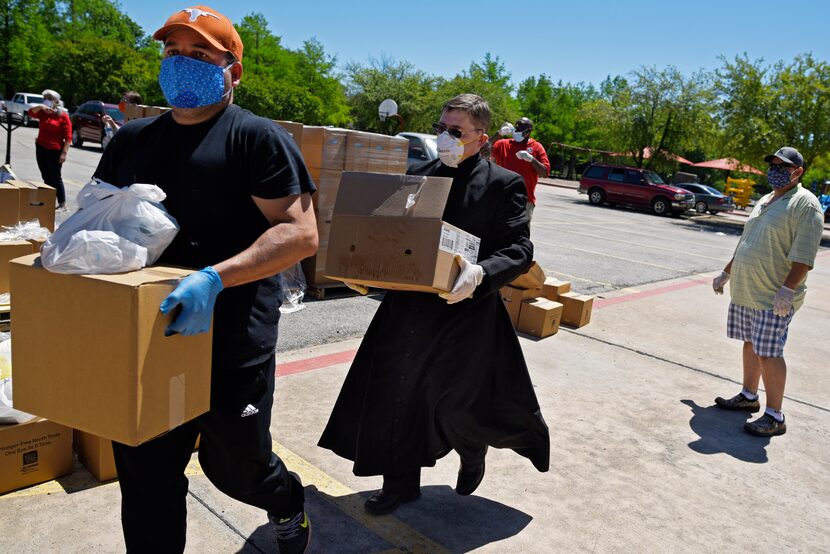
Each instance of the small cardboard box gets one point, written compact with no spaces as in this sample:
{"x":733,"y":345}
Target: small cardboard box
{"x":387,"y":233}
{"x":113,"y":374}
{"x":540,"y":317}
{"x":324,"y":147}
{"x":9,"y":204}
{"x":294,"y":129}
{"x":96,"y":455}
{"x":577,"y":311}
{"x":33,"y":452}
{"x":397,"y":155}
{"x":35,"y":201}
{"x":512,"y":299}
{"x":10,"y":250}
{"x":137,"y":111}
{"x":554,"y":287}
{"x":533,"y":278}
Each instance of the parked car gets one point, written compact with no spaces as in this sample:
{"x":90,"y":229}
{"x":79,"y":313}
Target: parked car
{"x":20,"y":104}
{"x":423,"y":147}
{"x":87,"y":124}
{"x":709,"y":199}
{"x":633,"y":186}
{"x":2,"y":103}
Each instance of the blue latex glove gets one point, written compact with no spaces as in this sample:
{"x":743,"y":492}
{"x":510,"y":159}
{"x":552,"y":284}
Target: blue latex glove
{"x":196,"y":294}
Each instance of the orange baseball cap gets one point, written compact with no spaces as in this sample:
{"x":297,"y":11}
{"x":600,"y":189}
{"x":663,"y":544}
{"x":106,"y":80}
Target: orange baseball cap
{"x":210,"y":24}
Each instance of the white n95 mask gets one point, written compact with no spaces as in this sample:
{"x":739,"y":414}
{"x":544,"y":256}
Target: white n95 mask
{"x":450,"y":149}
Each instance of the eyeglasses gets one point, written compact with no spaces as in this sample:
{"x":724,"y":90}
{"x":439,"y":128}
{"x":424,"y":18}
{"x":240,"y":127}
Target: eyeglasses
{"x":776,"y":166}
{"x":452,"y":131}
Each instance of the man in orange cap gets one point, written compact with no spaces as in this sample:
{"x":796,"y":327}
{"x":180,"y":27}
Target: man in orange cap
{"x":241,"y":193}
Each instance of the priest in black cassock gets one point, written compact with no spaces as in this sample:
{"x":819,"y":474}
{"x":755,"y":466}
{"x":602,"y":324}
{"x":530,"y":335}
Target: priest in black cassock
{"x":445,"y":372}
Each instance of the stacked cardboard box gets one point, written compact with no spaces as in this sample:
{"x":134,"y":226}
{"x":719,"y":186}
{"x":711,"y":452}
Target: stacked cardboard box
{"x":538,"y":304}
{"x":116,"y":375}
{"x":137,"y":111}
{"x":387,"y":232}
{"x":33,"y":452}
{"x":328,"y":152}
{"x":27,"y":200}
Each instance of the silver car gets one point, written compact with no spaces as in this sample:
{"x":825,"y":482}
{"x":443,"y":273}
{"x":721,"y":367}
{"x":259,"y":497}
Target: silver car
{"x":709,"y":199}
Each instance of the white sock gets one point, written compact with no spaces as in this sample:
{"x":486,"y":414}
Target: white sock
{"x":748,"y":394}
{"x":778,"y":415}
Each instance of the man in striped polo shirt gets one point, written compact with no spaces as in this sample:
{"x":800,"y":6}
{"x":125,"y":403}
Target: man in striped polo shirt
{"x":768,"y":272}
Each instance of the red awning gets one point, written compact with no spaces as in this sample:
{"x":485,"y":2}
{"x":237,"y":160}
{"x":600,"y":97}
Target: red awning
{"x":728,"y":164}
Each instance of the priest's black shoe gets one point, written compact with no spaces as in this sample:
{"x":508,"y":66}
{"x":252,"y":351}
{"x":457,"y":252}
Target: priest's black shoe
{"x":384,"y":502}
{"x":470,"y":476}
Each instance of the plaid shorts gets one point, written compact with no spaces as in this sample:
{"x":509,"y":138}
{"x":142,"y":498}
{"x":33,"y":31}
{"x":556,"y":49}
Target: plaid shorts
{"x":766,"y":331}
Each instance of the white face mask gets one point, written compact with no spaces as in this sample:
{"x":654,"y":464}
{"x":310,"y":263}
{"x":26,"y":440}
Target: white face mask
{"x":48,"y":103}
{"x":450,"y":150}
{"x":518,"y":136}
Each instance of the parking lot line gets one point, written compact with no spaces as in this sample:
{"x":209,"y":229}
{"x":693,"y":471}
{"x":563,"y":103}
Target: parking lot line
{"x":574,"y":277}
{"x":595,"y":253}
{"x":649,"y":246}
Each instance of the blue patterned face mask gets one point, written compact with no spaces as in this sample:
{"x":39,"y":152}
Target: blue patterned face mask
{"x":190,"y":83}
{"x":778,"y":177}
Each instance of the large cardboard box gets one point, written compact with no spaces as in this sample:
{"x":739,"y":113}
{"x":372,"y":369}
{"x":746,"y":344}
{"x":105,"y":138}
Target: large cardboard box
{"x":33,"y":452}
{"x":577,"y":312}
{"x":397,"y":155}
{"x":294,"y":129}
{"x":534,"y":278}
{"x":324,"y":148}
{"x":512,"y":299}
{"x":540,"y":317}
{"x":137,"y":111}
{"x":36,"y":201}
{"x":387,"y":232}
{"x":111,"y":372}
{"x":554,"y":287}
{"x":10,"y":250}
{"x":9,"y":204}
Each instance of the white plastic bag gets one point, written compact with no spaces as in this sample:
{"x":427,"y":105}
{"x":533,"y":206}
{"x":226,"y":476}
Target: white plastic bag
{"x":95,"y":252}
{"x":132,"y":213}
{"x":7,"y":413}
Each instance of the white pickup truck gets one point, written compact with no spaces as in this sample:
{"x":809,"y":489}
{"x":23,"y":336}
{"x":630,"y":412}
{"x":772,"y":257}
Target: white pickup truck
{"x":20,"y":104}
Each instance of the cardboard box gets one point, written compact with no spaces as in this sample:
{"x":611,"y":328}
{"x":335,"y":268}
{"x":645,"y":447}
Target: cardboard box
{"x":96,"y":455}
{"x":554,"y":287}
{"x":540,"y":317}
{"x":577,"y":311}
{"x":512,"y":299}
{"x":324,"y":148}
{"x":397,"y":155}
{"x":533,"y":278}
{"x":35,"y":201}
{"x":10,"y":250}
{"x":113,"y":373}
{"x":9,"y":208}
{"x":387,"y":232}
{"x":33,"y":452}
{"x":137,"y":111}
{"x":294,"y":129}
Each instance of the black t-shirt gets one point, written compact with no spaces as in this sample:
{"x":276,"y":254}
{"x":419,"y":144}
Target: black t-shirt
{"x":209,"y":172}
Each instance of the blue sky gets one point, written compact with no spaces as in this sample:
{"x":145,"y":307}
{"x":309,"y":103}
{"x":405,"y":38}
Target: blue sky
{"x":572,"y":41}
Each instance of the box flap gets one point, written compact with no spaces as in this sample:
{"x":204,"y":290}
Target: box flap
{"x":158,"y":274}
{"x":393,"y":195}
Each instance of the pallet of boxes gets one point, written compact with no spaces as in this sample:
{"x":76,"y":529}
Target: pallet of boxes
{"x":537,"y":304}
{"x":328,"y":153}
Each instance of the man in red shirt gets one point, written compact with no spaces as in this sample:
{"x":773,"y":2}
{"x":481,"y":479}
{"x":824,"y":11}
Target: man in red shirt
{"x":53,"y":139}
{"x":523,"y":155}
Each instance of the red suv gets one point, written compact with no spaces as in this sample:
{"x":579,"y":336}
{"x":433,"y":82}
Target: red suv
{"x":633,"y":186}
{"x":87,"y":124}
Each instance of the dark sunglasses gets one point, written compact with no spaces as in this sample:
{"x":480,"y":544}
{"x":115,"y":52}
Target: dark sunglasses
{"x":776,"y":166}
{"x":454,"y":133}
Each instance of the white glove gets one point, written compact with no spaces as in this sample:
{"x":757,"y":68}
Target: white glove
{"x":507,"y":130}
{"x":524,"y":155}
{"x":359,"y":289}
{"x":783,"y":301}
{"x":468,"y":279}
{"x":719,"y":281}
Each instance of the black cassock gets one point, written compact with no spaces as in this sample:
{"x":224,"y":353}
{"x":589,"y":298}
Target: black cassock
{"x":424,"y":363}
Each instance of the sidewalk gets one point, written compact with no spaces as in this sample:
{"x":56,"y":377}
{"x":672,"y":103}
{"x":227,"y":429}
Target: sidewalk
{"x":641,"y":459}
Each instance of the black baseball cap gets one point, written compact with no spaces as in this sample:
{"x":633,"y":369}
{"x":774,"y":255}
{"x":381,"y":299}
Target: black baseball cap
{"x":787,"y":154}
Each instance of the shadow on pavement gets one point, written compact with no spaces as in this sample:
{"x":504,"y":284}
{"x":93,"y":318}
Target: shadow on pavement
{"x":456,"y":523}
{"x":721,"y":431}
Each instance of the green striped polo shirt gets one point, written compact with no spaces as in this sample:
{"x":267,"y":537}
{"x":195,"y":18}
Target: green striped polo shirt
{"x":788,"y":230}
